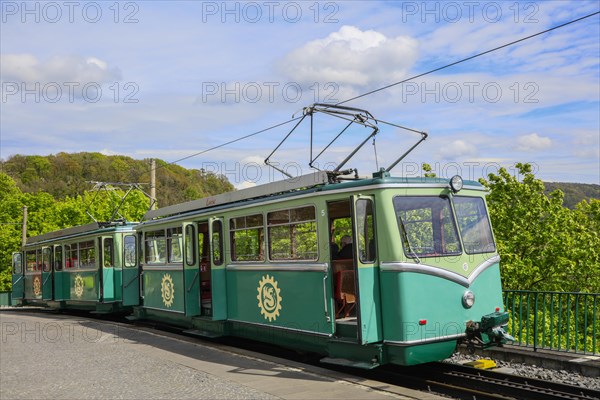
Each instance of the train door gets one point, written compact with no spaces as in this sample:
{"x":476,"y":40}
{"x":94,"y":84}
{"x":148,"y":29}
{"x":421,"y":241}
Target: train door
{"x":130,"y":272}
{"x":366,"y":270}
{"x":107,"y":269}
{"x":47,"y":281}
{"x":18,"y":286}
{"x":191,"y":270}
{"x":58,"y":279}
{"x":218,"y":281}
{"x":205,"y":269}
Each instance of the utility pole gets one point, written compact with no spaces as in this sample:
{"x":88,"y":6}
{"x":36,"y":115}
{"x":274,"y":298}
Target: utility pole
{"x":153,"y":184}
{"x":24,"y":229}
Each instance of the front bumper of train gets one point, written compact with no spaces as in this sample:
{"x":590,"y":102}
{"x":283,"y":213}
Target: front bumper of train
{"x":488,"y":332}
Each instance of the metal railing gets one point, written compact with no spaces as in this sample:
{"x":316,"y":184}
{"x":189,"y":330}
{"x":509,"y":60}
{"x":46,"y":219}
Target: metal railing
{"x":563,"y":321}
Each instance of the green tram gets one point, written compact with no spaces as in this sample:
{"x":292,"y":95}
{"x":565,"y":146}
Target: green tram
{"x":90,"y":267}
{"x":422,"y":273}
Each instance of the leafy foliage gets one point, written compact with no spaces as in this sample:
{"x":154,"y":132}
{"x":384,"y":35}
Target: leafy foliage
{"x":68,"y":175}
{"x":46,"y":214}
{"x":574,"y":192}
{"x":543,"y":245}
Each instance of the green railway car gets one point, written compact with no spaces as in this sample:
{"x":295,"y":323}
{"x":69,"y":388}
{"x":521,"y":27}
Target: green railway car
{"x":90,"y":267}
{"x":421,"y":272}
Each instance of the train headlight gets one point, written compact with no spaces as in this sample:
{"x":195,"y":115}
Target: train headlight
{"x":468,"y":299}
{"x":456,"y":183}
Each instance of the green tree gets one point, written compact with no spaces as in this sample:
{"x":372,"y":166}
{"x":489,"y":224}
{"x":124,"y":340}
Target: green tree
{"x":543,"y":245}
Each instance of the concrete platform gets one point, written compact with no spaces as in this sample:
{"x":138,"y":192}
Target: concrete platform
{"x":48,"y":356}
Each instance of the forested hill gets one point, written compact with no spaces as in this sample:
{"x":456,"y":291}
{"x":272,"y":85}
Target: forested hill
{"x":574,"y":192}
{"x":66,"y":174}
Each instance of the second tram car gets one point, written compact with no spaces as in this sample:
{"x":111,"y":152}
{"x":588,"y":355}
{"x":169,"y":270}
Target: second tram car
{"x":90,"y":267}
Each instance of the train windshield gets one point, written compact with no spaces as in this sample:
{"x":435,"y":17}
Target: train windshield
{"x":474,"y":225}
{"x":427,"y":226}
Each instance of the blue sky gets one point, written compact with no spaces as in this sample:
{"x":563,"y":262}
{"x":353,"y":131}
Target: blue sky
{"x":171,"y":79}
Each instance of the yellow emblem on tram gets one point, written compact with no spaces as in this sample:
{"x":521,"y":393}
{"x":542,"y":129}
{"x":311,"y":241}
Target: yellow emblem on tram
{"x":79,"y":286}
{"x":269,"y":298}
{"x":167,"y":290}
{"x":37,"y":286}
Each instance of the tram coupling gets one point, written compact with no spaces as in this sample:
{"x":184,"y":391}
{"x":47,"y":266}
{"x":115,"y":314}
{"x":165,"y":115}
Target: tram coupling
{"x":488,"y":332}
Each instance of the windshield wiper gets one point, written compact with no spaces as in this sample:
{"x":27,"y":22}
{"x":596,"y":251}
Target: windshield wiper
{"x":409,"y":247}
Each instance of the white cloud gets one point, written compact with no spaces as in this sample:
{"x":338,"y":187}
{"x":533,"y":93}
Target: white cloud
{"x":533,"y":142}
{"x":458,"y":148}
{"x":28,"y":68}
{"x":245,"y":185}
{"x":351,"y":57}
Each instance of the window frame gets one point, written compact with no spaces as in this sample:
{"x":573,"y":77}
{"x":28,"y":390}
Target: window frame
{"x":126,"y":264}
{"x":111,"y":254}
{"x":47,"y":259}
{"x":175,"y":234}
{"x":358,"y":232}
{"x":219,"y":232}
{"x":17,"y":269}
{"x":87,"y":249}
{"x":487,"y":219}
{"x":58,"y":261}
{"x":291,"y":223}
{"x":261,"y":230}
{"x":407,"y":246}
{"x":189,"y":245}
{"x":156,"y":242}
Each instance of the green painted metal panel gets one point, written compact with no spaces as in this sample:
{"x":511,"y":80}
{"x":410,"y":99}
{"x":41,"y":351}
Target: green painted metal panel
{"x":369,"y":305}
{"x":118,"y":288}
{"x":412,"y":297}
{"x":18,"y":278}
{"x":33,"y":286}
{"x":218,"y":276}
{"x":163,"y":289}
{"x":5,"y":299}
{"x":191,"y":270}
{"x":219,"y":294}
{"x":192,"y":291}
{"x":108,"y":284}
{"x":83,"y":285}
{"x":292,"y":300}
{"x":131,"y":286}
{"x":369,"y":299}
{"x":47,"y":285}
{"x":59,"y":285}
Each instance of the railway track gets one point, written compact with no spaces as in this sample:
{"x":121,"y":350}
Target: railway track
{"x":462,"y":382}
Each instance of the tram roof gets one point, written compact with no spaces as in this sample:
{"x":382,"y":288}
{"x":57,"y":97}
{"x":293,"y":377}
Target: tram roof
{"x":79,"y":231}
{"x":318,"y":181}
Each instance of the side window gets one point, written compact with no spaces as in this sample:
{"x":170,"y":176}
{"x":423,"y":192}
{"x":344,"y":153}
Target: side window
{"x":31,"y":261}
{"x":174,"y":242}
{"x":292,"y":234}
{"x":87,"y":254}
{"x":129,"y":251}
{"x":366,"y":230}
{"x":109,"y":253}
{"x":190,"y":251}
{"x":247,"y":238}
{"x":71,"y":254}
{"x":155,"y":250}
{"x":47,"y":259}
{"x":217,"y":242}
{"x":17,"y":263}
{"x":58,"y":258}
{"x":38,"y":266}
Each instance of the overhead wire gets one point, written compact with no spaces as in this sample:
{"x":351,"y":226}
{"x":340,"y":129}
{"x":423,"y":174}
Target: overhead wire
{"x":391,"y":85}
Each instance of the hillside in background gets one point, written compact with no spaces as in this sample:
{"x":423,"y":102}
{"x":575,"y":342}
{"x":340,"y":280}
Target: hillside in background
{"x":64,"y":174}
{"x":574,"y":192}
